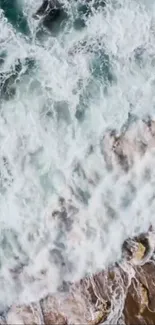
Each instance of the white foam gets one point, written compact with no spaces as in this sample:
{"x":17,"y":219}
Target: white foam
{"x":44,"y":143}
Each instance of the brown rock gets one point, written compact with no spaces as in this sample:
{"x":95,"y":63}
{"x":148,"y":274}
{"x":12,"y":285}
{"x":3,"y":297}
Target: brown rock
{"x":24,"y":314}
{"x":124,"y":293}
{"x":51,"y":312}
{"x":146,"y":275}
{"x":135,"y":303}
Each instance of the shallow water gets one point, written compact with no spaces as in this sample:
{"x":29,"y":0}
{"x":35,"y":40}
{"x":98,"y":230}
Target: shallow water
{"x":61,"y":89}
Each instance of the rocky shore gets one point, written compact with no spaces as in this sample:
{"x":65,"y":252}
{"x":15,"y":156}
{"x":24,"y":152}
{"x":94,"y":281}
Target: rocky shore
{"x":124,"y":293}
{"x":120,"y":182}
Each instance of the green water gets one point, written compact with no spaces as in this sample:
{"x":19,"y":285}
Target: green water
{"x":13,"y":12}
{"x":100,"y":65}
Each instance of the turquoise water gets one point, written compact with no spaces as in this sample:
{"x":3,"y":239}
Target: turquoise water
{"x":100,"y":67}
{"x":14,"y":14}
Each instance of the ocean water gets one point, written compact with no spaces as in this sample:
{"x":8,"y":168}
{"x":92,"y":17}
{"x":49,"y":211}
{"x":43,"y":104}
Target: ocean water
{"x":62,"y":88}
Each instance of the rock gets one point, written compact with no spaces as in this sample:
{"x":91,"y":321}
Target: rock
{"x":122,"y":150}
{"x":146,"y":275}
{"x":51,"y":314}
{"x":139,"y":253}
{"x":26,"y":314}
{"x":135,"y":303}
{"x":140,"y":301}
{"x":124,"y":294}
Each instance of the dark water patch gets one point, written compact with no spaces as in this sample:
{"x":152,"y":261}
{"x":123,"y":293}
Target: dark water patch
{"x":10,"y":79}
{"x":11,"y":247}
{"x":55,"y":16}
{"x":132,"y":118}
{"x":55,"y":23}
{"x":140,"y":55}
{"x":128,"y":196}
{"x":6,"y":177}
{"x":81,"y":193}
{"x":81,"y":109}
{"x":62,"y":112}
{"x":101,"y":67}
{"x":52,"y":15}
{"x":82,"y":13}
{"x":3,"y":56}
{"x":87,"y":96}
{"x":85,"y":9}
{"x":13,"y":12}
